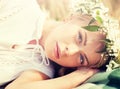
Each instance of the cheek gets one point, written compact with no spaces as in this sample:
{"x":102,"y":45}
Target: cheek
{"x":71,"y":61}
{"x":49,"y":48}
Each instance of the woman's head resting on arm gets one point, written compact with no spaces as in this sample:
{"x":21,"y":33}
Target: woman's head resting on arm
{"x":70,"y":45}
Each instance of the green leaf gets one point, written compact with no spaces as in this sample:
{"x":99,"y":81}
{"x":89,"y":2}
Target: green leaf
{"x":107,"y":40}
{"x":99,"y":19}
{"x":98,"y":12}
{"x":91,"y":28}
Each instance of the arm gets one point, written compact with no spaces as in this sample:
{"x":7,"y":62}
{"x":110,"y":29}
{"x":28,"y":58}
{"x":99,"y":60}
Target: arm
{"x":37,"y":80}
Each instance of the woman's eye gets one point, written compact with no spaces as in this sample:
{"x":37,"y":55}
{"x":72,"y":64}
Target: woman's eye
{"x":79,"y":37}
{"x":81,"y":59}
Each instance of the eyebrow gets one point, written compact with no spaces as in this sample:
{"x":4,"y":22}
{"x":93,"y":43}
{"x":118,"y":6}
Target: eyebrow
{"x":86,"y":59}
{"x":85,"y":38}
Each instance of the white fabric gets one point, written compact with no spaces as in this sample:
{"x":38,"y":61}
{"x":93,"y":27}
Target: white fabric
{"x":13,"y":62}
{"x":20,"y":21}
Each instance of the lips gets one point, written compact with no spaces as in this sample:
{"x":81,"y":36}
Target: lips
{"x":56,"y":51}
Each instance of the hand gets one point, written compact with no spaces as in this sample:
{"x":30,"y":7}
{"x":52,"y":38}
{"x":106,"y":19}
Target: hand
{"x":84,"y":73}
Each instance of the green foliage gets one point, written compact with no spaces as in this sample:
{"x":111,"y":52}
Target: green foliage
{"x":99,"y":19}
{"x":118,"y":58}
{"x":109,"y":43}
{"x":91,"y":27}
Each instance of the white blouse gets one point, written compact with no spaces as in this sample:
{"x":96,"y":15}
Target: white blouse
{"x":20,"y":21}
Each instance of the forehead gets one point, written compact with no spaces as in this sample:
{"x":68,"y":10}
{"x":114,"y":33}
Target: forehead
{"x":68,"y":27}
{"x":93,"y":58}
{"x":92,"y":53}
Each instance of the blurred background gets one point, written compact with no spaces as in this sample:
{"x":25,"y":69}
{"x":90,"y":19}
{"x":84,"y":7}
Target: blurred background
{"x":56,"y":9}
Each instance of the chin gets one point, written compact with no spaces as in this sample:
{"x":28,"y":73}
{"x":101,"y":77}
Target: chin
{"x":66,"y":65}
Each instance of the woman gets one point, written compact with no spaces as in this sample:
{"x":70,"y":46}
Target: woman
{"x":65,"y":43}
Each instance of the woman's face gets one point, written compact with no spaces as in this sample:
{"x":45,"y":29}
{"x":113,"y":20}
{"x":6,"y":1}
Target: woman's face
{"x":71,"y":46}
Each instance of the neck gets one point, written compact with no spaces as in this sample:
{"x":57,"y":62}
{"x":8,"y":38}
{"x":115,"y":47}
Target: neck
{"x":47,"y":29}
